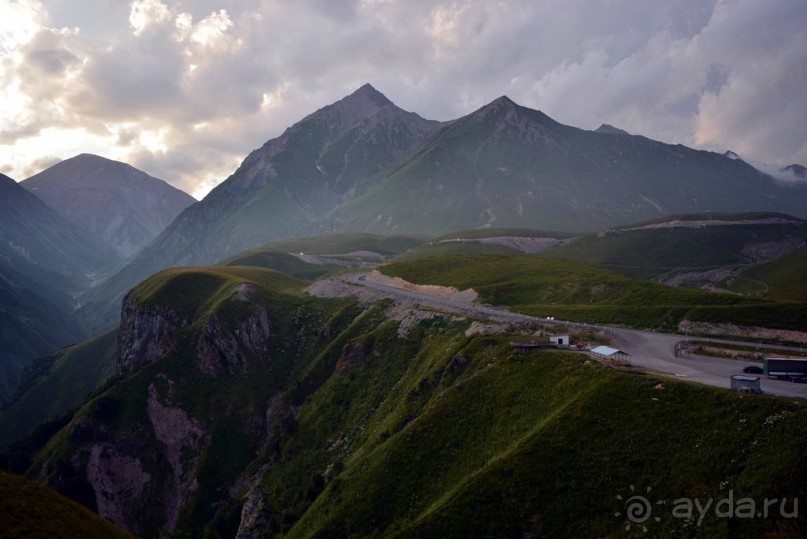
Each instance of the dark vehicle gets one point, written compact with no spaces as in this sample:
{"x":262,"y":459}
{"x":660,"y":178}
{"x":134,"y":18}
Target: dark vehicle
{"x":794,"y":370}
{"x":753,"y":369}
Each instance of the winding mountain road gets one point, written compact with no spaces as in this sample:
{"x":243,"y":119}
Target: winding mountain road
{"x":651,"y":350}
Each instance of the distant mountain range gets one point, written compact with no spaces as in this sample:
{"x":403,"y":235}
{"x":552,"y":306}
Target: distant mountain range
{"x":123,"y":206}
{"x":60,"y":232}
{"x":44,"y":262}
{"x":363,"y":164}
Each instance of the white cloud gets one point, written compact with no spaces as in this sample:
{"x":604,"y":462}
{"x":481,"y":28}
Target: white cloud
{"x":185,"y":89}
{"x":145,"y":13}
{"x":21,"y":20}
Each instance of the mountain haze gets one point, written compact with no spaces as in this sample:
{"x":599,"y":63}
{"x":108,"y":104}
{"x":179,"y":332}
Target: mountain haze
{"x":509,"y":166}
{"x":364,"y":165}
{"x":283,"y":189}
{"x":123,"y":206}
{"x":44,"y":262}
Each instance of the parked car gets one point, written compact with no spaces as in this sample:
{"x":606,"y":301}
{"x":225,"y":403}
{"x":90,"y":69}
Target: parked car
{"x":753,"y":369}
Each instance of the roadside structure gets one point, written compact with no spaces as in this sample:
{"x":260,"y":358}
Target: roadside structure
{"x":745,"y":384}
{"x":611,"y":356}
{"x":561,"y":340}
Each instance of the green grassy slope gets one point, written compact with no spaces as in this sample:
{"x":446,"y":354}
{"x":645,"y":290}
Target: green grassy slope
{"x":228,"y":406}
{"x":349,"y":242}
{"x":453,"y":248}
{"x":543,"y":444}
{"x":782,"y":278}
{"x":30,"y":325}
{"x":55,"y":384}
{"x":343,"y":427}
{"x":29,"y":510}
{"x":478,"y":233}
{"x":652,"y":253}
{"x":574,"y":291}
{"x":280,"y":261}
{"x":102,"y":303}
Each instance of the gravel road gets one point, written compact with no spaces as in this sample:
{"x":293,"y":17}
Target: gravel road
{"x":651,"y":350}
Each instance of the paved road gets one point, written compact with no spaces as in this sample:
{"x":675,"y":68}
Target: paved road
{"x":651,"y":350}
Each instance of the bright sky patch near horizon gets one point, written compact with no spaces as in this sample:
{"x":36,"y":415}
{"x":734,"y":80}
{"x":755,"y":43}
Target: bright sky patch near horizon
{"x":184,"y":90}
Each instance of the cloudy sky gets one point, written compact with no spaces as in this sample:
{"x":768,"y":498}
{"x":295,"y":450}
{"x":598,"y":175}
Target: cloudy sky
{"x":185,"y":89}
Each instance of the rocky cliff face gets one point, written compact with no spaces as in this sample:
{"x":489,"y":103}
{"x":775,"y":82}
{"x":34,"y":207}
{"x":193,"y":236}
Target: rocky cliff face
{"x":221,"y":349}
{"x":142,"y":472}
{"x":146,"y":333}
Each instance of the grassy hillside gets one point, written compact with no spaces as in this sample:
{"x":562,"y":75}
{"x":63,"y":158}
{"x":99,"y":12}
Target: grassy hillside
{"x":543,"y":444}
{"x":102,"y":303}
{"x":348,"y":242}
{"x":453,"y":248}
{"x":343,"y":426}
{"x":782,"y":278}
{"x":280,"y":261}
{"x":30,"y":325}
{"x":479,"y":233}
{"x":579,"y":292}
{"x":55,"y":384}
{"x":29,"y":510}
{"x":653,"y":253}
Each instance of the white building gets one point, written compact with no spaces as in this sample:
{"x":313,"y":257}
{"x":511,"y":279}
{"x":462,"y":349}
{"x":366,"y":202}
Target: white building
{"x":609,"y":355}
{"x":560,"y":340}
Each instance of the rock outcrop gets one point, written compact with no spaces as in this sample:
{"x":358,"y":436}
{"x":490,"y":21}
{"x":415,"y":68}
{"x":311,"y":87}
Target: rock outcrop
{"x":183,"y":441}
{"x":147,"y":332}
{"x":219,"y":349}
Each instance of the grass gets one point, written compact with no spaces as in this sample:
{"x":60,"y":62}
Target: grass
{"x":449,"y":248}
{"x":480,"y":233}
{"x":781,"y":279}
{"x":351,"y":429}
{"x":55,"y":384}
{"x":193,"y":290}
{"x":349,"y":242}
{"x":528,"y":445}
{"x":29,"y":510}
{"x":279,"y":261}
{"x":652,"y":253}
{"x":579,"y":292}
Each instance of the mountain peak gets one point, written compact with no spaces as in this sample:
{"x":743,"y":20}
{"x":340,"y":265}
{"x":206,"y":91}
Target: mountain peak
{"x":353,"y":108}
{"x":608,"y":129}
{"x":121,"y":205}
{"x":368,"y":92}
{"x":797,"y":170}
{"x":503,"y":101}
{"x":505,"y":109}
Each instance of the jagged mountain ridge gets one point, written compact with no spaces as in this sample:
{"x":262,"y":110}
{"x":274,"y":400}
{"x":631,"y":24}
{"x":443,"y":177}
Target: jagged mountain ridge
{"x":123,"y":206}
{"x":283,"y":188}
{"x":509,"y":166}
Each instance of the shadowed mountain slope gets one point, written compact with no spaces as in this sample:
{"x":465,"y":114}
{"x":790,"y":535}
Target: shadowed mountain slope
{"x":123,"y":206}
